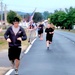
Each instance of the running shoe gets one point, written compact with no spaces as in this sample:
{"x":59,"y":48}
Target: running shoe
{"x":16,"y":71}
{"x":47,"y":48}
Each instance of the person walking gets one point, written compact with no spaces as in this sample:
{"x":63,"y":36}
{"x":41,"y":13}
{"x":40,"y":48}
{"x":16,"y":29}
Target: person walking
{"x":31,"y":28}
{"x":14,"y":35}
{"x":49,"y":34}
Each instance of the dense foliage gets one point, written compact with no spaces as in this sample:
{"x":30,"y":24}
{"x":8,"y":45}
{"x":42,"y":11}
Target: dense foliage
{"x":63,"y":18}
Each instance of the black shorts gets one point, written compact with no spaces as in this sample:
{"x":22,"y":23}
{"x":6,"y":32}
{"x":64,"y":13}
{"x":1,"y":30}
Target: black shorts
{"x":14,"y":53}
{"x":49,"y":38}
{"x":40,"y":32}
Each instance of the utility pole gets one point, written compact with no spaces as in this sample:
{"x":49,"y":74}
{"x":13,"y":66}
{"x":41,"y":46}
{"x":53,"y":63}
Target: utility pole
{"x":5,"y":14}
{"x":1,"y":12}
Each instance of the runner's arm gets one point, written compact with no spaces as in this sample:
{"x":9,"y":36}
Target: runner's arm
{"x":24,"y":36}
{"x":6,"y":35}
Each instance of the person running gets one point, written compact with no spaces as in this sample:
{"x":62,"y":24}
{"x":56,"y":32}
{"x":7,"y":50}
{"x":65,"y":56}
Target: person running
{"x":14,"y":35}
{"x":49,"y":34}
{"x":40,"y":31}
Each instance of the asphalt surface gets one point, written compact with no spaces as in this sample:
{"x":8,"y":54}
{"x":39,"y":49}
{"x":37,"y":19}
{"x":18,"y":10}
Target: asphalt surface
{"x":4,"y":61}
{"x":59,"y":60}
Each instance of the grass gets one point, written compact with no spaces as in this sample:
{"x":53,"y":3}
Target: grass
{"x":3,"y":44}
{"x":2,"y":34}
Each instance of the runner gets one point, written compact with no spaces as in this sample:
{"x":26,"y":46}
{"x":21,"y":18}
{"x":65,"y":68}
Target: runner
{"x":14,"y":35}
{"x":49,"y":34}
{"x":31,"y":28}
{"x":40,"y":31}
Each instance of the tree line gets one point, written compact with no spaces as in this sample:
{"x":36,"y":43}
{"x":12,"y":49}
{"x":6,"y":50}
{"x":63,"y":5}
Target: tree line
{"x":38,"y":16}
{"x":63,"y":18}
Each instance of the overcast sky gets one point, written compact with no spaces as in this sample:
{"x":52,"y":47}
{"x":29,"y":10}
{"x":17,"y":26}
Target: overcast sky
{"x":41,"y":5}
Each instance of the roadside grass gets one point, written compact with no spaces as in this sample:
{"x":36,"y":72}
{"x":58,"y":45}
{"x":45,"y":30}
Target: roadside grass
{"x":3,"y":44}
{"x":2,"y":34}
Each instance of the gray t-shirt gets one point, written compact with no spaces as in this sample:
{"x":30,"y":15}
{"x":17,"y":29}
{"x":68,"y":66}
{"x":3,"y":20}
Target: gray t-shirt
{"x":15,"y":30}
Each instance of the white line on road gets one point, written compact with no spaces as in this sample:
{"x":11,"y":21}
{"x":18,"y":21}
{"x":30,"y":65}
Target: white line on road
{"x":9,"y":72}
{"x":29,"y":46}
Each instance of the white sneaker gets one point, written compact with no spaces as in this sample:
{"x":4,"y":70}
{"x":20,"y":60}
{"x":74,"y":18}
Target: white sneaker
{"x":16,"y":72}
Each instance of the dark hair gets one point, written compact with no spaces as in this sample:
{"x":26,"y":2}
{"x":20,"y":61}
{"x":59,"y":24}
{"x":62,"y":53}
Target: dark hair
{"x":16,"y":19}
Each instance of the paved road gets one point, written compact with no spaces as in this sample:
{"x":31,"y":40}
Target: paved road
{"x":4,"y":62}
{"x":70,"y":36}
{"x":59,"y":60}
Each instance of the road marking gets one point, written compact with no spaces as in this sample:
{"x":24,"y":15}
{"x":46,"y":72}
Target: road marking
{"x":29,"y":46}
{"x":9,"y":72}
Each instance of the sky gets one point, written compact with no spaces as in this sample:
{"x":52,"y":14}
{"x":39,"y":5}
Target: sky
{"x":41,"y":5}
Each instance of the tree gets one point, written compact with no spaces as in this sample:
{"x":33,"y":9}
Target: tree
{"x":63,"y":18}
{"x":71,"y":17}
{"x":58,"y":17}
{"x":11,"y":15}
{"x":46,"y":14}
{"x":37,"y":17}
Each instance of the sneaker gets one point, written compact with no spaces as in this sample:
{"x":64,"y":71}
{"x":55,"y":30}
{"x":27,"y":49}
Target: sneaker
{"x":47,"y":48}
{"x":16,"y":71}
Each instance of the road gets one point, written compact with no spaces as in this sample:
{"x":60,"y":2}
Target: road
{"x":59,"y":60}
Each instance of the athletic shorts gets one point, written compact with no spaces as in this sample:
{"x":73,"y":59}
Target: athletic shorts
{"x":40,"y":32}
{"x":14,"y":53}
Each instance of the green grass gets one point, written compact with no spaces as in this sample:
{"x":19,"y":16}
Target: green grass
{"x":3,"y":44}
{"x":1,"y":33}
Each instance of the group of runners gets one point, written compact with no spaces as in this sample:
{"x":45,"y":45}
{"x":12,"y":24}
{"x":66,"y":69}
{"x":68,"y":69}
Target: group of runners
{"x":15,"y":34}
